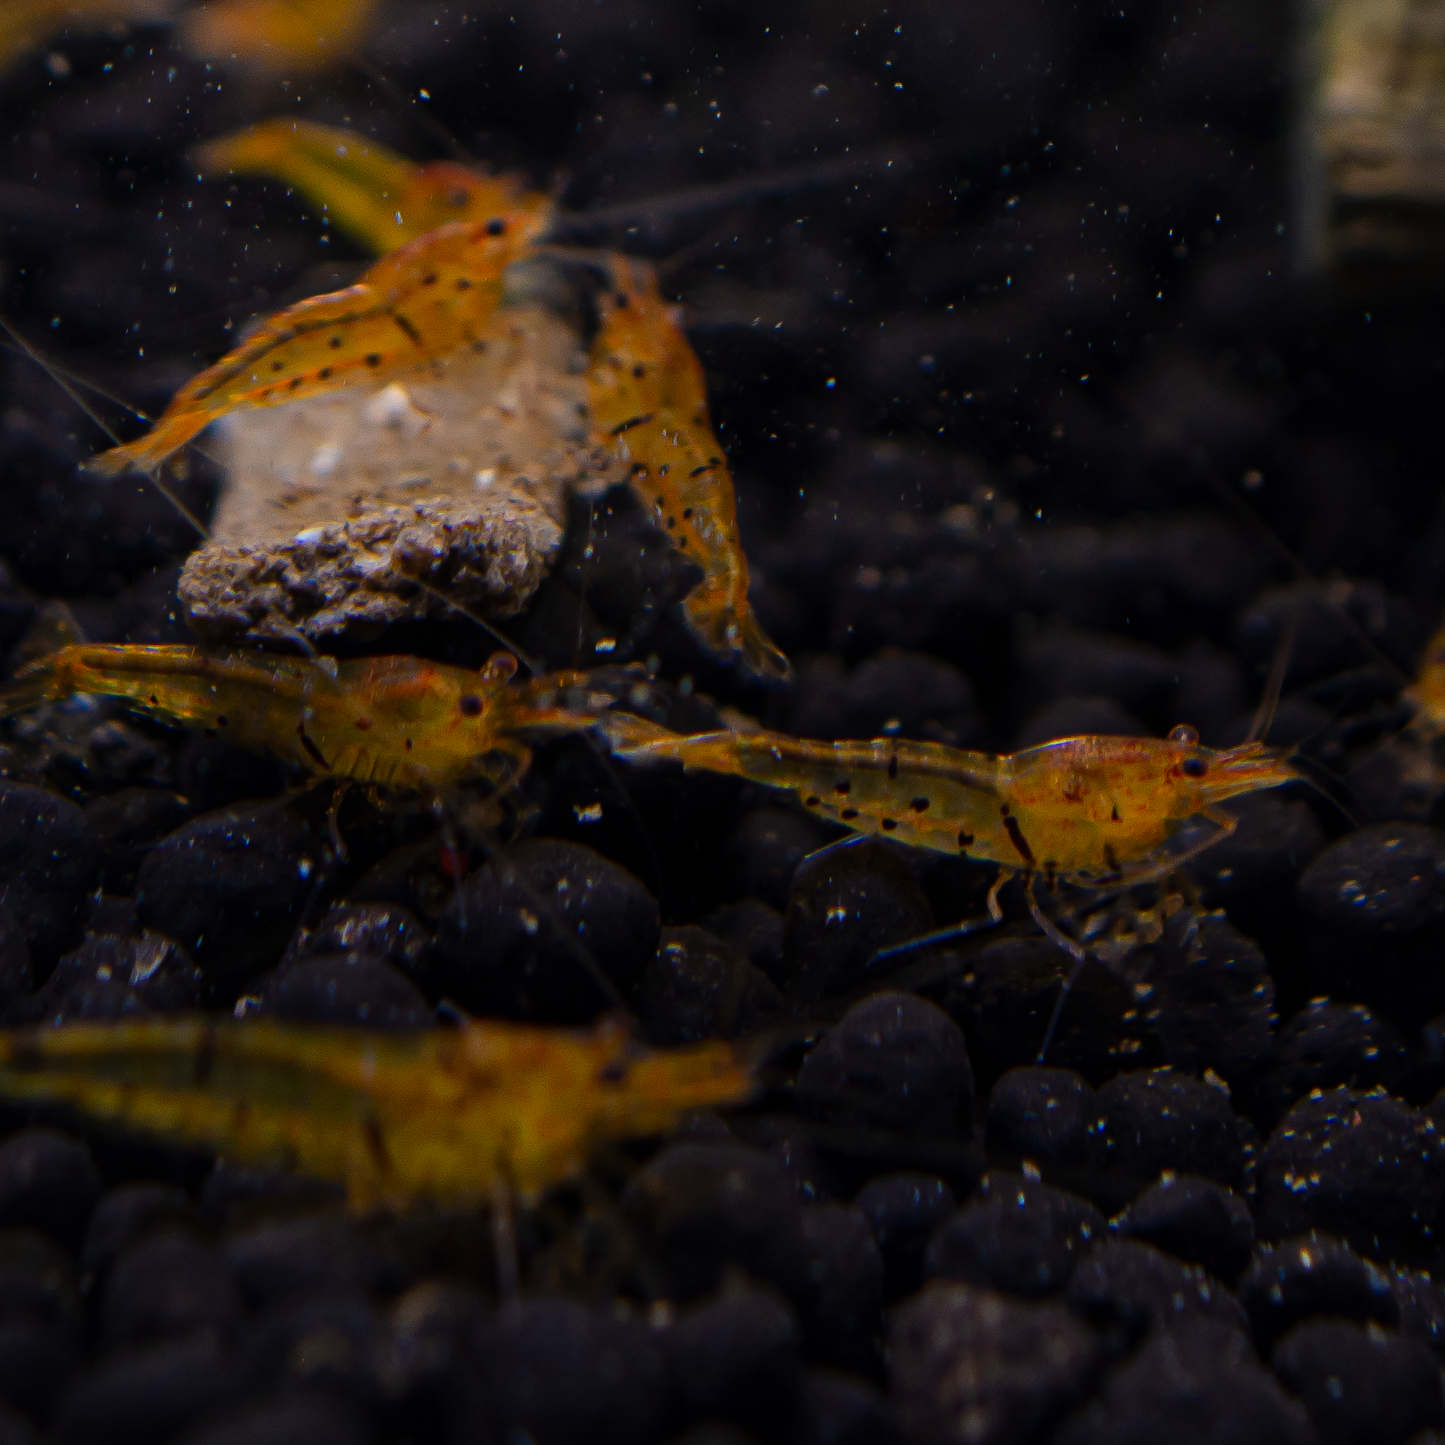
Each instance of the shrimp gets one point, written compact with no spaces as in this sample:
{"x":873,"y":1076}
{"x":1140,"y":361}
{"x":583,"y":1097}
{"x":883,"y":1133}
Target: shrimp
{"x":372,"y":195}
{"x":648,"y":391}
{"x":1427,"y":694}
{"x":1097,"y":812}
{"x":440,"y":291}
{"x":393,"y":722}
{"x":433,"y":296}
{"x":448,"y":1116}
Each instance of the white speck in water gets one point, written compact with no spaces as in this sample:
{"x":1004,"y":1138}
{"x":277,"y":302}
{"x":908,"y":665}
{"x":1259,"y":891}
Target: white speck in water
{"x":325,"y":458}
{"x":303,"y":868}
{"x":529,"y":921}
{"x":592,"y":813}
{"x":605,"y":644}
{"x":485,"y":478}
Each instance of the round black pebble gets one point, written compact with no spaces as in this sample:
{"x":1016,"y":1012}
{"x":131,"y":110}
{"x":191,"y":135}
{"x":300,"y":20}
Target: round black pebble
{"x":1374,"y":904}
{"x":893,"y":1061}
{"x":280,"y":1259}
{"x":37,"y":1280}
{"x":136,"y":1397}
{"x":228,"y":887}
{"x":1422,"y":1307}
{"x":1360,"y":1384}
{"x":1312,"y":1275}
{"x":904,"y":1211}
{"x":126,"y":1213}
{"x":49,"y":1182}
{"x":845,"y":1269}
{"x":294,"y":1418}
{"x":966,"y":1364}
{"x":736,"y":1357}
{"x":17,"y":976}
{"x":1008,"y":995}
{"x":1210,"y":1001}
{"x":323,"y":1341}
{"x":1202,"y":1385}
{"x":48,"y":862}
{"x":1195,"y":1220}
{"x":1384,"y":879}
{"x":1126,"y":1288}
{"x":835,"y":1408}
{"x":1364,"y":1167}
{"x":698,"y":987}
{"x":360,"y":989}
{"x":1016,"y":1235}
{"x":768,"y":844}
{"x":570,"y":1374}
{"x":845,"y":904}
{"x":1050,"y":1117}
{"x":37,"y":1359}
{"x":550,"y":930}
{"x":168,"y":1284}
{"x":700,"y":1208}
{"x":388,"y":930}
{"x":1161,"y":1120}
{"x":109,"y":977}
{"x":755,"y":930}
{"x":1326,"y":1045}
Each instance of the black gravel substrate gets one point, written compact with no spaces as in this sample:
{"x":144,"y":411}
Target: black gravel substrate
{"x":1035,"y":433}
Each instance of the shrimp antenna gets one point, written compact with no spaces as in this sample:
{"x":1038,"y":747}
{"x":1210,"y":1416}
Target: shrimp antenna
{"x":1274,"y":683}
{"x":63,"y":383}
{"x":530,"y":663}
{"x":57,"y":371}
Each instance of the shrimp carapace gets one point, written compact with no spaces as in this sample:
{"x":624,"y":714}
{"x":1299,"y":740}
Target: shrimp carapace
{"x":372,"y":195}
{"x":443,"y":1115}
{"x":440,"y":291}
{"x":1094,"y":811}
{"x":397,"y":722}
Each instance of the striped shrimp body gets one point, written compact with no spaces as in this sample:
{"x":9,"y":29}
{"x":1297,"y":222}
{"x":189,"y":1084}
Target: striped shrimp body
{"x":648,"y":391}
{"x":1093,"y":811}
{"x":452,"y":1116}
{"x":397,"y":722}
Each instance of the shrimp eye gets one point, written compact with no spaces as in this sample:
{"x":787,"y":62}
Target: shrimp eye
{"x":1184,"y":734}
{"x":1195,"y":767}
{"x":472,"y":706}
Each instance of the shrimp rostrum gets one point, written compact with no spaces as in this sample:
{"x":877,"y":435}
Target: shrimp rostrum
{"x":395,"y":722}
{"x":1096,"y":812}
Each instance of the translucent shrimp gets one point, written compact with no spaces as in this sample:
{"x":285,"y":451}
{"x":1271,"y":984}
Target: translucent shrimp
{"x":433,"y":296}
{"x":1427,"y":694}
{"x":648,"y":391}
{"x":395,"y":722}
{"x":1099,"y":812}
{"x":440,"y":291}
{"x":449,"y":1115}
{"x":374,"y":196}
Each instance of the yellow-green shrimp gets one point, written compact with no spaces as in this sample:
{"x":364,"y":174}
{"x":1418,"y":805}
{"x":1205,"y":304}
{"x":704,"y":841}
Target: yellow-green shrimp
{"x":1100,"y":812}
{"x":452,"y":1116}
{"x":397,"y":722}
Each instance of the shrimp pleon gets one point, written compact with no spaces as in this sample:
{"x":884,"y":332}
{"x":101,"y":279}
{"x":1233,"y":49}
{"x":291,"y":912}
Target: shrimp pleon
{"x":395,"y":722}
{"x":1093,"y":811}
{"x":372,"y":195}
{"x":649,"y":394}
{"x":448,"y":1116}
{"x":435,"y":295}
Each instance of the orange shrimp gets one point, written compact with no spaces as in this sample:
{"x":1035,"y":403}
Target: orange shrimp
{"x":396,"y":722}
{"x":377,"y":198}
{"x":1427,"y":694}
{"x":435,"y":295}
{"x":1098,"y":812}
{"x":440,"y":291}
{"x":452,"y":1116}
{"x":649,"y":392}
{"x":289,"y":35}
